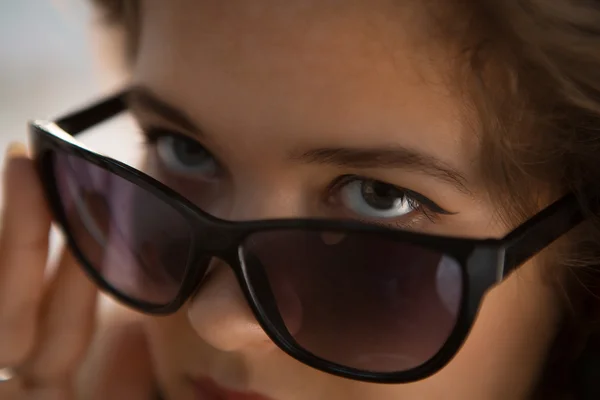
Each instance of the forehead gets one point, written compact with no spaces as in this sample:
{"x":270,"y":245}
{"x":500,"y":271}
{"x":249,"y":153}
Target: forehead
{"x":358,"y":73}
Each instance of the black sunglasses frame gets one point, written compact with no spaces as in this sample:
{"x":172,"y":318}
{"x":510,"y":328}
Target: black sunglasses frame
{"x":484,"y":262}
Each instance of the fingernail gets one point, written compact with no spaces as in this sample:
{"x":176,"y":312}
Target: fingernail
{"x":16,"y":149}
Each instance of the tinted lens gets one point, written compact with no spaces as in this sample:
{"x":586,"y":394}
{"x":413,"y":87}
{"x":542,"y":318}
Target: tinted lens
{"x":135,"y":241}
{"x":356,"y":299}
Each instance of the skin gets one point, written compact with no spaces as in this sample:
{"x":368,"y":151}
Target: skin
{"x":265,"y":80}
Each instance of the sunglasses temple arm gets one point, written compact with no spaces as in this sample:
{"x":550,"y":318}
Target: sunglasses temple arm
{"x":540,"y":231}
{"x":80,"y":120}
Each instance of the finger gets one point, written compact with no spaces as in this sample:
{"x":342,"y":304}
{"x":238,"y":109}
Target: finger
{"x":66,"y":326}
{"x":69,"y":307}
{"x":23,"y":252}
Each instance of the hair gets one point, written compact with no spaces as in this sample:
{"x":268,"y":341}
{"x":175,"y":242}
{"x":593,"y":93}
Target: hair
{"x":530,"y":72}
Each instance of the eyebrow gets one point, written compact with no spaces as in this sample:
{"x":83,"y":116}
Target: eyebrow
{"x":358,"y":158}
{"x":386,"y":157}
{"x":143,"y":98}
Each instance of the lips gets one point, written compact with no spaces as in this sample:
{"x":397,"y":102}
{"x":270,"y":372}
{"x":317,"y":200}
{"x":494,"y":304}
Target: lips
{"x":206,"y":389}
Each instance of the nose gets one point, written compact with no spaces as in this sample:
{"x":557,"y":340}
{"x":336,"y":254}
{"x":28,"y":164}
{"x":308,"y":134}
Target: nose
{"x":221,"y":316}
{"x":219,"y":312}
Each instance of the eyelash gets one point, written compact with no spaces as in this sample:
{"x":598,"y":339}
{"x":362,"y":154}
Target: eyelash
{"x":423,"y":207}
{"x":152,"y":134}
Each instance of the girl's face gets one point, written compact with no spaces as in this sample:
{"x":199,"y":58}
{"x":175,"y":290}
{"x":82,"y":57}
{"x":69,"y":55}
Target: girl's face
{"x":331,"y":109}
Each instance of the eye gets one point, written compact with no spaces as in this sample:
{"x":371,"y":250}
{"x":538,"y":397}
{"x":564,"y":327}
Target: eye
{"x":376,"y":199}
{"x":370,"y":198}
{"x":183,"y":156}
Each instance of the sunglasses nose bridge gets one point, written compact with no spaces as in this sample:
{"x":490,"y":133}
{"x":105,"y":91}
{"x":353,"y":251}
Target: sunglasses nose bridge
{"x":227,"y":259}
{"x":217,"y":241}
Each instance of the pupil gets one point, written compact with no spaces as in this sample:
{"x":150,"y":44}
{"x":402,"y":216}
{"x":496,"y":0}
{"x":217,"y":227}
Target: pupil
{"x":380,"y":195}
{"x":189,"y":154}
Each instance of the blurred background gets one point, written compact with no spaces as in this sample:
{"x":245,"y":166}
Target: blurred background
{"x":46,"y":61}
{"x":54,"y":57}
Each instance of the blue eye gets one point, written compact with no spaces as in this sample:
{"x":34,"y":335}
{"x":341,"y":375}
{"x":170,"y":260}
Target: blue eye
{"x":185,"y":156}
{"x":375,"y":199}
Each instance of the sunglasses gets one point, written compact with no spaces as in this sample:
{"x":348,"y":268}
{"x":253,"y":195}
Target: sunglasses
{"x":356,"y":300}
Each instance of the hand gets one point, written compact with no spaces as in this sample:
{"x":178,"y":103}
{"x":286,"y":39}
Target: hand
{"x":46,"y":325}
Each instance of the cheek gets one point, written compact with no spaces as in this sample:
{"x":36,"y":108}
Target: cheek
{"x":174,"y":347}
{"x":506,"y":348}
{"x":161,"y":332}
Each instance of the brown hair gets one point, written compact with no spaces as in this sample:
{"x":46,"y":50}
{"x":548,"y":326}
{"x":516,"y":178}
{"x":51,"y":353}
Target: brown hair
{"x":535,"y":84}
{"x":531,"y":73}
